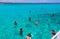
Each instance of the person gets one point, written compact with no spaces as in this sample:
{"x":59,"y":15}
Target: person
{"x":36,"y":22}
{"x":21,"y":31}
{"x":29,"y":18}
{"x":53,"y":32}
{"x":15,"y":23}
{"x":52,"y":14}
{"x":28,"y":36}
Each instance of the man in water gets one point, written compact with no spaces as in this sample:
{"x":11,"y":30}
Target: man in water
{"x":53,"y":32}
{"x":21,"y":31}
{"x":15,"y":26}
{"x":15,"y":23}
{"x":28,"y":36}
{"x":29,"y":18}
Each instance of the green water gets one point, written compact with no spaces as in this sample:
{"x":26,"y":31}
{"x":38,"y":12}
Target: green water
{"x":21,"y":12}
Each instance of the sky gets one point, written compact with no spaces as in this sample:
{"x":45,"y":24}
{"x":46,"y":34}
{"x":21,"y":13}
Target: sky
{"x":30,"y":1}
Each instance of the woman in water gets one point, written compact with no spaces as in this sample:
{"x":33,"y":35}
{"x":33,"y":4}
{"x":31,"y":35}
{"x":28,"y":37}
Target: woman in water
{"x":53,"y":32}
{"x":28,"y":36}
{"x":21,"y":31}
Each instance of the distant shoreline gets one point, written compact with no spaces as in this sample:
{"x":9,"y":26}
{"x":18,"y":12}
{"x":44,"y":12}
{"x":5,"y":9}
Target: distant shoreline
{"x":29,"y":2}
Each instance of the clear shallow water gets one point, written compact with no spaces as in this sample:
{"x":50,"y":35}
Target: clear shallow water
{"x":21,"y":12}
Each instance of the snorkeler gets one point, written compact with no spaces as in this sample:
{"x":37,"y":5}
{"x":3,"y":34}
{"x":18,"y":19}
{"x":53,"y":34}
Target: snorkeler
{"x":53,"y":32}
{"x":21,"y":31}
{"x":28,"y":36}
{"x":29,"y":18}
{"x":15,"y":23}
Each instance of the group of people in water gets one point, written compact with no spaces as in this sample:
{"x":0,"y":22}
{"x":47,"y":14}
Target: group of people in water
{"x":29,"y":34}
{"x":21,"y":30}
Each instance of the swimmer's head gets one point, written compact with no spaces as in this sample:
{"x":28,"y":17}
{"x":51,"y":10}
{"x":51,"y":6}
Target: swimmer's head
{"x":21,"y":30}
{"x":29,"y":18}
{"x":53,"y":32}
{"x":15,"y":23}
{"x":29,"y":35}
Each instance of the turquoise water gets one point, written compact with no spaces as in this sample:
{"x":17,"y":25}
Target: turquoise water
{"x":21,"y":12}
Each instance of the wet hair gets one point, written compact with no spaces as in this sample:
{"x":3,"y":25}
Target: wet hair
{"x":53,"y":32}
{"x":21,"y":30}
{"x":29,"y":35}
{"x":15,"y":23}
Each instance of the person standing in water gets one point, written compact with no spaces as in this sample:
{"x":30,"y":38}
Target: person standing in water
{"x":53,"y":32}
{"x":28,"y":36}
{"x":36,"y":22}
{"x":21,"y":31}
{"x":15,"y":26}
{"x":52,"y":14}
{"x":15,"y":23}
{"x":29,"y":19}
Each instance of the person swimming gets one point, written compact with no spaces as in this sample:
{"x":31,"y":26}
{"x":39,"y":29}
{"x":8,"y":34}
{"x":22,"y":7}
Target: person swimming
{"x":29,"y":18}
{"x":28,"y":36}
{"x":15,"y":23}
{"x":53,"y":32}
{"x":36,"y":22}
{"x":52,"y":15}
{"x":21,"y":31}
